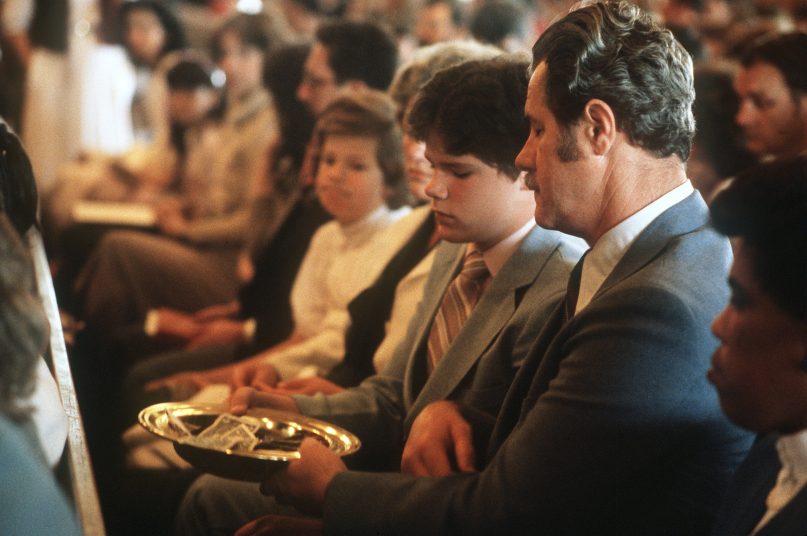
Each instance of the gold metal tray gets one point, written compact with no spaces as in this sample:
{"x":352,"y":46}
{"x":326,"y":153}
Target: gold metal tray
{"x":280,"y":434}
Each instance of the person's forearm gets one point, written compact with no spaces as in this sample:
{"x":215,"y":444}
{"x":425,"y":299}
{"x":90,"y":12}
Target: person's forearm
{"x":22,"y":47}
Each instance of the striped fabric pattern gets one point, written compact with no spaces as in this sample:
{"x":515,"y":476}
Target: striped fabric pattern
{"x":458,"y":302}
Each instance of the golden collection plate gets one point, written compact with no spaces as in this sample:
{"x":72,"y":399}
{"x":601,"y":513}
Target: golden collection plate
{"x":279,"y":433}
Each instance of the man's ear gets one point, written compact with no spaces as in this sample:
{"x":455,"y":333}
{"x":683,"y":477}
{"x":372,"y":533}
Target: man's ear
{"x":599,"y":126}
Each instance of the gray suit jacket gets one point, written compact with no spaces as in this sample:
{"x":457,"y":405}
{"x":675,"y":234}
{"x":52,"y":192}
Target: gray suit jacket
{"x":610,"y":426}
{"x":480,"y":364}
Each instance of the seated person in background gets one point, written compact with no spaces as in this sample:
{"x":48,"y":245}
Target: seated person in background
{"x":276,"y":213}
{"x":379,"y":314}
{"x":146,"y":175}
{"x":346,"y":56}
{"x":360,"y":182}
{"x":760,"y":368}
{"x":772,"y":87}
{"x":502,"y":23}
{"x":262,"y":316}
{"x":149,"y":32}
{"x":718,"y":151}
{"x":193,"y":263}
{"x":609,"y":426}
{"x":18,"y":202}
{"x":30,"y":500}
{"x":145,"y":172}
{"x":439,"y":21}
{"x":494,"y":281}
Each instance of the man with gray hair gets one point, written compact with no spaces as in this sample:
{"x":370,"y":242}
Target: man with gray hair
{"x":610,"y":426}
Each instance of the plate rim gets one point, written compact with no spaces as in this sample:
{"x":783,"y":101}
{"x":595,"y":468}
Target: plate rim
{"x":317,"y":426}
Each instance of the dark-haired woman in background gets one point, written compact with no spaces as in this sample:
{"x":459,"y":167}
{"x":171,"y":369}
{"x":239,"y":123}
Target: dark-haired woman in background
{"x":760,"y":368}
{"x":149,"y":31}
{"x":192,"y":264}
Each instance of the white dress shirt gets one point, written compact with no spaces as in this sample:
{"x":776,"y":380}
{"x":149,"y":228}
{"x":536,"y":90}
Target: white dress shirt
{"x":792,"y":477}
{"x":610,"y":248}
{"x":497,"y":255}
{"x":341,"y":261}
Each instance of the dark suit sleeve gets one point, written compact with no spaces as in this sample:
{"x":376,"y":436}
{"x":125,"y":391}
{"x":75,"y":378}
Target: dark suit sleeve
{"x":625,"y":433}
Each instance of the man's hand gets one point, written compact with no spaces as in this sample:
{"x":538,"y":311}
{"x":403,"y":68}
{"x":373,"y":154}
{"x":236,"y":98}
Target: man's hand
{"x":304,"y":482}
{"x":215,"y":312}
{"x":307,"y":386}
{"x":170,"y":218}
{"x":247,"y":397}
{"x":176,"y":326}
{"x":182,"y":385}
{"x":439,"y":442}
{"x":218,"y":332}
{"x":273,"y":525}
{"x":255,"y":373}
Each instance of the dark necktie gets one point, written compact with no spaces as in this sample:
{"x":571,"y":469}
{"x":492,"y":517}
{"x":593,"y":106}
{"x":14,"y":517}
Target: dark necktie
{"x":573,"y":290}
{"x":458,"y":302}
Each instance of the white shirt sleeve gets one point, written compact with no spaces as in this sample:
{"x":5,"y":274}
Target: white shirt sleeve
{"x":308,"y":300}
{"x":408,"y":295}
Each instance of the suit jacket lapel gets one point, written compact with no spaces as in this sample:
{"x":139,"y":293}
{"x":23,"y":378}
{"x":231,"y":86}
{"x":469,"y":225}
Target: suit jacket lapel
{"x":447,"y":263}
{"x":495,"y":308}
{"x":682,"y":218}
{"x":543,"y":361}
{"x":792,"y":519}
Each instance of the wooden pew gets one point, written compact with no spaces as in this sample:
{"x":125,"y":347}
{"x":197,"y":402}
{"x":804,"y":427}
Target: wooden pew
{"x":75,"y":468}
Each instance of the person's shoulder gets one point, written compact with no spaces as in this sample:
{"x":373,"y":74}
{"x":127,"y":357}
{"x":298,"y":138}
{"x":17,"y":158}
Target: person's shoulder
{"x":31,"y":502}
{"x":327,"y":231}
{"x":694,"y":266}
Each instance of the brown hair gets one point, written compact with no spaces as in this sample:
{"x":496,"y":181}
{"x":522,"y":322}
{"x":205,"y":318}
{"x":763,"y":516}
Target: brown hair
{"x":370,"y":114}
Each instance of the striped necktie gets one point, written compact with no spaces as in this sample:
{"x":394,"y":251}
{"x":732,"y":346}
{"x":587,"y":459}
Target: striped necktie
{"x":458,"y":302}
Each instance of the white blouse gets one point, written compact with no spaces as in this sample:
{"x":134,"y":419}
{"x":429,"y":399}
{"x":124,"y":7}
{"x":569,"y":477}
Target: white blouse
{"x":341,"y":261}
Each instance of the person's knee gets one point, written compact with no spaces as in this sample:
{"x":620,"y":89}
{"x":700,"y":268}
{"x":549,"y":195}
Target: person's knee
{"x":192,"y":510}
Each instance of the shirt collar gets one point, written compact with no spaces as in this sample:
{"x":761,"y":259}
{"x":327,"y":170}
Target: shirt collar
{"x":609,"y":249}
{"x":497,"y":255}
{"x":792,"y":451}
{"x":367,"y":224}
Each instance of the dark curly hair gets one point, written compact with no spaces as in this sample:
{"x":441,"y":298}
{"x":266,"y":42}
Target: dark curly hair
{"x":787,"y":52}
{"x":359,"y":51}
{"x":371,"y":114}
{"x":766,"y":206}
{"x":282,"y":73}
{"x":23,"y":327}
{"x":614,"y":52}
{"x":174,"y":33}
{"x":476,"y":108}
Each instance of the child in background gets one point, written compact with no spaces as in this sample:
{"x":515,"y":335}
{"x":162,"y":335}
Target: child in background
{"x":360,"y":182}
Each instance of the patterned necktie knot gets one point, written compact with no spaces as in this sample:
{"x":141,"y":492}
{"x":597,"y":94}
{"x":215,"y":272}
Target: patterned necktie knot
{"x":474,"y":273}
